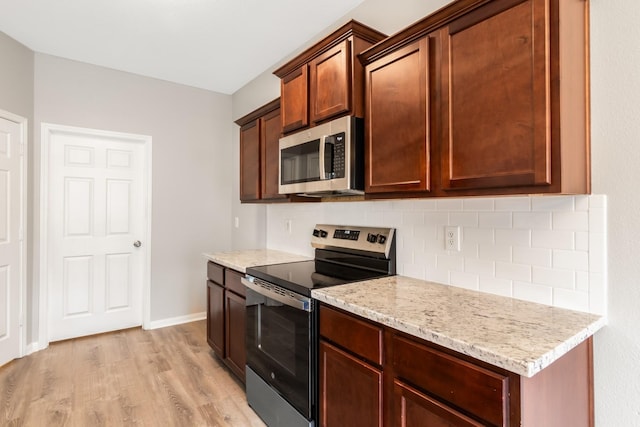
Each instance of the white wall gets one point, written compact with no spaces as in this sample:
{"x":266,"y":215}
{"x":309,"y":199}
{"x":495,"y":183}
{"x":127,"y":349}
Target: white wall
{"x":191,"y":131}
{"x":615,"y":129}
{"x":615,"y":82}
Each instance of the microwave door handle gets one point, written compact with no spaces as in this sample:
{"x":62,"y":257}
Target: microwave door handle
{"x":329,"y":141}
{"x":321,"y":165}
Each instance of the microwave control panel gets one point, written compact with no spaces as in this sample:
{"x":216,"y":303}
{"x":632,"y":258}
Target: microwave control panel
{"x":338,"y":154}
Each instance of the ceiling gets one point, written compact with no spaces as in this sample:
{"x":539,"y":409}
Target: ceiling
{"x":219,"y":45}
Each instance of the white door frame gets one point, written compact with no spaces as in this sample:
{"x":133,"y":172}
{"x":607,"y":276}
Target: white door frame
{"x":47,"y":130}
{"x":24,"y":151}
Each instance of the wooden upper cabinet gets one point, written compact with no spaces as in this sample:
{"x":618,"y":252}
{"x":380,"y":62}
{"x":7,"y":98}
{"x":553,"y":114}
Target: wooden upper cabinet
{"x":330,"y":75}
{"x":260,"y":133}
{"x":495,"y":112}
{"x":270,"y":155}
{"x":506,"y":102}
{"x":250,"y":162}
{"x":326,"y":80}
{"x":397,"y":113}
{"x":294,"y":90}
{"x":514,"y":106}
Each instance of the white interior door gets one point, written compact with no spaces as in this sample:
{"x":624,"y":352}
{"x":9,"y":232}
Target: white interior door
{"x":10,"y":240}
{"x":96,"y":215}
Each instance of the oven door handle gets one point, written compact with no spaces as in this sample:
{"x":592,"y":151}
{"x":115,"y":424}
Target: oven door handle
{"x":298,"y":301}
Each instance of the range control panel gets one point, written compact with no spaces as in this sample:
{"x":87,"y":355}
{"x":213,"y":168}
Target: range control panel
{"x":377,"y":240}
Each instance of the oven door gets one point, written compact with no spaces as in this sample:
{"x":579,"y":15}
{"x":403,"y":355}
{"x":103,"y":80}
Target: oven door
{"x":278,"y":338}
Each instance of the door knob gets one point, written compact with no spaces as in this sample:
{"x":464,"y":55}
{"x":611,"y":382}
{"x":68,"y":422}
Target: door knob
{"x":137,"y":243}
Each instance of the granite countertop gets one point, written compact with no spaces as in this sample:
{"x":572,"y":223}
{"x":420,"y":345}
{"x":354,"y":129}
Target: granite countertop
{"x":240,"y":260}
{"x":519,"y":336}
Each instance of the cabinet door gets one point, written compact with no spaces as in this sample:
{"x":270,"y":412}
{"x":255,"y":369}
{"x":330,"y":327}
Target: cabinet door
{"x":397,"y":120}
{"x":413,"y":408}
{"x":294,"y":100}
{"x":250,"y":162}
{"x":495,"y":91}
{"x":350,"y":390}
{"x":235,"y":325}
{"x":270,"y":155}
{"x":215,"y":318}
{"x":330,"y":82}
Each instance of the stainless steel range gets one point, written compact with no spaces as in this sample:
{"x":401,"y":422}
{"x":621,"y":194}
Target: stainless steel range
{"x":282,"y":320}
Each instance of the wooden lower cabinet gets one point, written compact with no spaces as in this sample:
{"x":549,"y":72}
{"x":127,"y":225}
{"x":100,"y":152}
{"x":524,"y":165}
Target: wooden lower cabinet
{"x":418,"y":383}
{"x":215,"y":317}
{"x":411,"y":407}
{"x":235,"y":313}
{"x":226,"y":315}
{"x":350,"y":390}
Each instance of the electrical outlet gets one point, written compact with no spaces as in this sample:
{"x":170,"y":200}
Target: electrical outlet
{"x":288,"y":225}
{"x":236,"y":222}
{"x":452,"y":238}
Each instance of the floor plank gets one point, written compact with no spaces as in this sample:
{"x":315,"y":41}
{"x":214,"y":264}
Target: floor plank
{"x":167,"y":377}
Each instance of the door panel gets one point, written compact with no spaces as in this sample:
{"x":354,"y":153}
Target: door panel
{"x":78,"y":207}
{"x":118,"y":205}
{"x":118,"y":281}
{"x":96,"y":211}
{"x":77,"y":285}
{"x":10,"y":240}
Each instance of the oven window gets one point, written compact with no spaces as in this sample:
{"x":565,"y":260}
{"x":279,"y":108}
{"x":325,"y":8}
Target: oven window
{"x":277,"y":336}
{"x":300,"y":163}
{"x":279,"y":348}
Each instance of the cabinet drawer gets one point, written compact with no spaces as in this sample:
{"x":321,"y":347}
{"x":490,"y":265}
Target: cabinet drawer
{"x":358,"y":336}
{"x":232,"y":282}
{"x":413,"y":408}
{"x":472,"y":388}
{"x":215,"y":273}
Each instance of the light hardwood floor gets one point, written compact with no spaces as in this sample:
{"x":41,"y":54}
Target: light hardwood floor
{"x":163,"y":377}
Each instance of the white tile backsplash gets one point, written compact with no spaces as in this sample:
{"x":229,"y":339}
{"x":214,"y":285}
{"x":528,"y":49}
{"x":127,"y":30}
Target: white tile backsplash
{"x":547,"y":249}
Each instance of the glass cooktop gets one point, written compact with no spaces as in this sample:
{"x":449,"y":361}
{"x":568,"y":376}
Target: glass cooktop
{"x":303,"y":276}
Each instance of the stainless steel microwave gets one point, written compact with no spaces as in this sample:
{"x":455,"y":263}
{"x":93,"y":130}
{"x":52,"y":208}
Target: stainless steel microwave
{"x":327,"y":159}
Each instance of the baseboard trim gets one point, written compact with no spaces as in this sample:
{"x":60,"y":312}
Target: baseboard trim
{"x":163,"y":323}
{"x":34,"y":347}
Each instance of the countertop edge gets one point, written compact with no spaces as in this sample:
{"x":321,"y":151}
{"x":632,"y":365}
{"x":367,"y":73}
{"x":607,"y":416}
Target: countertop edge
{"x":240,"y":260}
{"x":526,"y":367}
{"x":212,"y":258}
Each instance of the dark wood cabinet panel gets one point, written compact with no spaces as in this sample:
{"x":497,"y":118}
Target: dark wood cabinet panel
{"x":495,"y":80}
{"x":260,"y":133}
{"x":235,"y":314}
{"x":215,"y":318}
{"x":330,"y":82}
{"x":326,"y":80}
{"x":362,"y":338}
{"x":294,"y":95}
{"x":506,"y":104}
{"x":414,"y":408}
{"x":250,"y":162}
{"x":425,"y":384}
{"x":350,"y":390}
{"x":226,"y":314}
{"x":397,"y":120}
{"x":270,"y":155}
{"x":465,"y":385}
{"x":215,"y":273}
{"x":232,"y":282}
